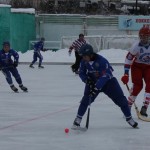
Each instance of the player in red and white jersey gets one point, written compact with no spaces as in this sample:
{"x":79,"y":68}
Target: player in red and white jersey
{"x":138,"y":58}
{"x":76,"y":45}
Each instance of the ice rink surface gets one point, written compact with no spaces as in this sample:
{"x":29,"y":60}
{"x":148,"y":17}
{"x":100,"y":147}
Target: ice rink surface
{"x":36,"y":120}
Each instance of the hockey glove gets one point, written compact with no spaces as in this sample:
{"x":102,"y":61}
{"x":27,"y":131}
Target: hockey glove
{"x":90,"y":83}
{"x":69,"y":52}
{"x":15,"y":64}
{"x":125,"y":79}
{"x":94,"y":92}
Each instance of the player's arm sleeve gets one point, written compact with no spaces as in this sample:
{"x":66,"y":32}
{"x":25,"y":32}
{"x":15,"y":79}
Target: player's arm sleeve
{"x":129,"y":58}
{"x":72,"y":46}
{"x":105,"y":75}
{"x":35,"y":45}
{"x":128,"y":61}
{"x":16,"y":56}
{"x":83,"y":72}
{"x":42,"y":47}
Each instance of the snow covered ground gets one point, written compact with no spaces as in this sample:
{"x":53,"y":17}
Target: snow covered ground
{"x":36,"y":120}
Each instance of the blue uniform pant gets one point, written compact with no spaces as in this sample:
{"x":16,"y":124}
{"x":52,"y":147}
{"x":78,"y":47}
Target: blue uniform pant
{"x":113,"y":90}
{"x":12,"y":70}
{"x":37,"y":55}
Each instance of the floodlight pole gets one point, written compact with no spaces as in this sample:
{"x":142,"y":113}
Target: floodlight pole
{"x":136,"y":5}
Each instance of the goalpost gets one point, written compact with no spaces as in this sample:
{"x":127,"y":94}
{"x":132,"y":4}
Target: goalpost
{"x":95,"y":41}
{"x":102,"y":42}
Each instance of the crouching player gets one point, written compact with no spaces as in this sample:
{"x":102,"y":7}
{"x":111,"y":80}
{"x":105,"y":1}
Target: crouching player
{"x":9,"y":66}
{"x":96,"y":73}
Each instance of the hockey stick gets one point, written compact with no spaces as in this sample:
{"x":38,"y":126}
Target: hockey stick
{"x":137,"y":110}
{"x":88,"y":114}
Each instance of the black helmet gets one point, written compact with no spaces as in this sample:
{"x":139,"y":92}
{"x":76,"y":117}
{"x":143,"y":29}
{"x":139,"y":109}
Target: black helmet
{"x":42,"y":39}
{"x":86,"y":49}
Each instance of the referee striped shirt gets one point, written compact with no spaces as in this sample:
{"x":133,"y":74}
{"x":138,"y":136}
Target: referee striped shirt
{"x":76,"y":45}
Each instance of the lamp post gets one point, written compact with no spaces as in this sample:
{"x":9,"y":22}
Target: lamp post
{"x":136,"y":5}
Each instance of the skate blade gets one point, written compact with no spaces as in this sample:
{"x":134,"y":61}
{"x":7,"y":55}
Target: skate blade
{"x":77,"y":128}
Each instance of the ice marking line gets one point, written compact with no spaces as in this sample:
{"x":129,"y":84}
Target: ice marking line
{"x":36,"y":118}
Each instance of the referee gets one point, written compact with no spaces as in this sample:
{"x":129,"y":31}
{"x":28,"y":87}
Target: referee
{"x":76,"y":46}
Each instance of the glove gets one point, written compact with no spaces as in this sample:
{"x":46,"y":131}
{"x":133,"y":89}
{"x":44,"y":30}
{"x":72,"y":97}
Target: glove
{"x":15,"y":64}
{"x":93,"y":92}
{"x":125,"y":79}
{"x":90,"y":83}
{"x":69,"y":52}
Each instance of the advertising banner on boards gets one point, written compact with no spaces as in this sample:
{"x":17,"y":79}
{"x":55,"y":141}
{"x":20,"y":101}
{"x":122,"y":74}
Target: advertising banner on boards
{"x":133,"y":22}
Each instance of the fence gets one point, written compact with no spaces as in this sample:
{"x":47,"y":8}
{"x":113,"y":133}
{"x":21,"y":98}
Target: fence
{"x":17,"y":26}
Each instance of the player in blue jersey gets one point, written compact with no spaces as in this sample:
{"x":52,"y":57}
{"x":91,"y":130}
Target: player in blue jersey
{"x":38,"y":46}
{"x":8,"y":66}
{"x":96,"y":73}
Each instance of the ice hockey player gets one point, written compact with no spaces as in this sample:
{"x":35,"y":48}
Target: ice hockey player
{"x":138,"y":58}
{"x":38,"y":46}
{"x":9,"y":66}
{"x":76,"y":46}
{"x":96,"y":73}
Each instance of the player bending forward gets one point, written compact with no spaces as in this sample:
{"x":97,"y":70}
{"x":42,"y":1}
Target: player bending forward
{"x":138,"y":58}
{"x":9,"y":66}
{"x":96,"y":73}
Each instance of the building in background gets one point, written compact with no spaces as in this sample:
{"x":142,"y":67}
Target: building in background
{"x":89,"y":7}
{"x":5,"y":1}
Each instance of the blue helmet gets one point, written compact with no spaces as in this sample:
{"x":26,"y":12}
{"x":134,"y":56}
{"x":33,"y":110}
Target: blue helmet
{"x":86,"y":49}
{"x":6,"y":43}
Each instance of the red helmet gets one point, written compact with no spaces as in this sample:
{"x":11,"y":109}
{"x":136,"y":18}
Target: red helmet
{"x":144,"y":34}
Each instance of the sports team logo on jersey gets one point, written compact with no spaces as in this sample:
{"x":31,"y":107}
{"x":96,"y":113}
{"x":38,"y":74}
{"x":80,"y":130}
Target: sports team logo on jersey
{"x":145,"y":58}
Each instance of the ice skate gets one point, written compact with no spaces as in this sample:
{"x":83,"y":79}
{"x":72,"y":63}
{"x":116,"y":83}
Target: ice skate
{"x":143,"y":111}
{"x":31,"y":66}
{"x":40,"y":66}
{"x":131,"y":122}
{"x":23,"y":88}
{"x":14,"y":88}
{"x":76,"y":124}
